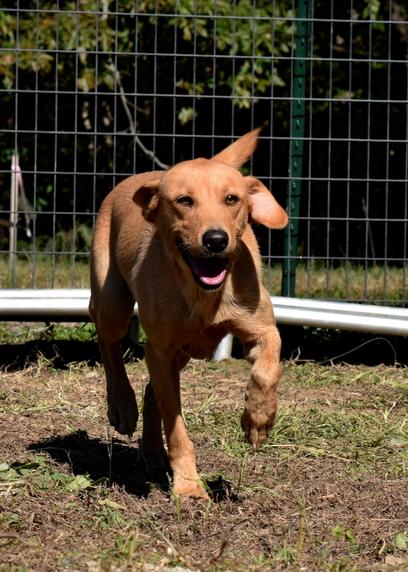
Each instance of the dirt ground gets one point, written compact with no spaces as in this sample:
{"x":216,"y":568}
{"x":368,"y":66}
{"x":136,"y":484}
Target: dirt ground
{"x":327,"y":492}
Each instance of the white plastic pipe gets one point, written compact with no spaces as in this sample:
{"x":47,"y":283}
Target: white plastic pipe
{"x":43,"y":303}
{"x":341,"y":315}
{"x":66,"y":303}
{"x":224,"y":349}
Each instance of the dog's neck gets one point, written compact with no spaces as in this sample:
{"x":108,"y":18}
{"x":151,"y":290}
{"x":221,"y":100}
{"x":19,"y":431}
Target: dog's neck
{"x":202,"y":304}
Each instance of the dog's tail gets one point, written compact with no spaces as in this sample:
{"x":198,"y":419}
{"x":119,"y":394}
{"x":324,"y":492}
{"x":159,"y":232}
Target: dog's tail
{"x":240,"y":151}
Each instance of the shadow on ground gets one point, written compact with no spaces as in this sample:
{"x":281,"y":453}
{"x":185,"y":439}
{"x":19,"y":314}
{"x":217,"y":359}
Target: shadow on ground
{"x":339,"y":346}
{"x":301,"y":343}
{"x":60,"y":353}
{"x":115,"y":463}
{"x":325,"y":346}
{"x":118,"y":464}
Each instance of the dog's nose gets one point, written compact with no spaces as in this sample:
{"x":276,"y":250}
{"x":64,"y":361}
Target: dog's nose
{"x":215,"y":240}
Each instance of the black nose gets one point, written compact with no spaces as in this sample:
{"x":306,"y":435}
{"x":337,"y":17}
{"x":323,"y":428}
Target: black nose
{"x":215,"y":240}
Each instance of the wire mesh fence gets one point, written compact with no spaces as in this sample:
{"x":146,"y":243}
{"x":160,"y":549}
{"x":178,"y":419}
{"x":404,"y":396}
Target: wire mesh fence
{"x":95,"y":90}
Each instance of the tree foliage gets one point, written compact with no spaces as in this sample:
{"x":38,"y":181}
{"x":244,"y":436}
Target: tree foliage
{"x":92,"y":86}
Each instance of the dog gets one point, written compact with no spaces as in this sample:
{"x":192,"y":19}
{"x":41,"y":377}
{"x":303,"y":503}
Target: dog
{"x":179,"y":242}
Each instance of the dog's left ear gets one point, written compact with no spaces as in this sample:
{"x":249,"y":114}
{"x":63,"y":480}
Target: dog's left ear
{"x":263,"y":206}
{"x":147,"y":199}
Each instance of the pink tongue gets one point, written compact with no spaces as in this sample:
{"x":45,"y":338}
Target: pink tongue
{"x":213,"y":280}
{"x":209,"y":270}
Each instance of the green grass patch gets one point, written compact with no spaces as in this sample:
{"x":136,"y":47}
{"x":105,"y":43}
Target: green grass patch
{"x":17,"y":333}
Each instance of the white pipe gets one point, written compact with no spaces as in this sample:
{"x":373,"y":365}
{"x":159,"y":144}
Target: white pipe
{"x":341,"y":315}
{"x":44,"y":302}
{"x":18,"y":304}
{"x":224,"y":348}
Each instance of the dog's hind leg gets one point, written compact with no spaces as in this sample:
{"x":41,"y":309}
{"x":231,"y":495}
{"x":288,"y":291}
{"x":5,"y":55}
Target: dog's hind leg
{"x":164,"y":368}
{"x":153,"y":451}
{"x":111,"y":308}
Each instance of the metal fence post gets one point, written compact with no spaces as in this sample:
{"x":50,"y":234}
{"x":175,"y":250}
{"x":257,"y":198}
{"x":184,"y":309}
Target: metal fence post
{"x":13,"y":216}
{"x":302,"y":36}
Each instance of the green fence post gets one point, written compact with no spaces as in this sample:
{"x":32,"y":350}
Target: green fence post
{"x":297,"y":131}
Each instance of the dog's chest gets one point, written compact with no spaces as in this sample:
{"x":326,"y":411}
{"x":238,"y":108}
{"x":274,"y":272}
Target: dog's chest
{"x":204,"y":344}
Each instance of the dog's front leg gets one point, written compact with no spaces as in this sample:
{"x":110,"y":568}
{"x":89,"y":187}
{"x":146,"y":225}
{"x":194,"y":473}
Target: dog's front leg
{"x":164,"y":368}
{"x":260,"y":398}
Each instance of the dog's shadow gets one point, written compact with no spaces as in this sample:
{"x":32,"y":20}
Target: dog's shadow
{"x":112,"y":463}
{"x":118,"y":464}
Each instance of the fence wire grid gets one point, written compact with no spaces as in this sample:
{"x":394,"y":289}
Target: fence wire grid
{"x":95,"y":90}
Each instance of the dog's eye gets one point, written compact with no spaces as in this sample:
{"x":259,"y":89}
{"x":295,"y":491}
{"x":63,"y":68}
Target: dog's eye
{"x":185,"y":200}
{"x":231,"y":199}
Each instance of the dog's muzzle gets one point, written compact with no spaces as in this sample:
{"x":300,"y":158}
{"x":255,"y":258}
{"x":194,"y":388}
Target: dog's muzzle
{"x":208,"y":270}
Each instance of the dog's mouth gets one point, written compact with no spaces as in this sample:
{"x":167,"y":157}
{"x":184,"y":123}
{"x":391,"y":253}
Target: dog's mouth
{"x":209,"y":272}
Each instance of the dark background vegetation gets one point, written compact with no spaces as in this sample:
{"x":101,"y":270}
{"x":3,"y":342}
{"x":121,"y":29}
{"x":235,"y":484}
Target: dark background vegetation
{"x":71,"y":76}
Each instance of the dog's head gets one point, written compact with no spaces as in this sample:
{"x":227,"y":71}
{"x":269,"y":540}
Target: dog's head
{"x":201,"y":208}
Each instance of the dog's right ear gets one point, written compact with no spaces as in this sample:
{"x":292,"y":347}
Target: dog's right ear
{"x":147,"y":199}
{"x":240,"y":150}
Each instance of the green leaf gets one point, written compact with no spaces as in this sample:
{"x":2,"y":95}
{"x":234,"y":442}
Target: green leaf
{"x":112,"y":504}
{"x":79,"y":483}
{"x":401,"y":541}
{"x":186,"y":114}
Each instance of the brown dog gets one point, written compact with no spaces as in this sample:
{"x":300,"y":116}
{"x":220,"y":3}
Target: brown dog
{"x":180,"y":244}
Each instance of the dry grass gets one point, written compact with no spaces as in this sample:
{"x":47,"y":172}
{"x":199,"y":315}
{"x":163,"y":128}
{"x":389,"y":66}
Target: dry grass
{"x":45,"y":272}
{"x":346,"y":282}
{"x":327,"y":492}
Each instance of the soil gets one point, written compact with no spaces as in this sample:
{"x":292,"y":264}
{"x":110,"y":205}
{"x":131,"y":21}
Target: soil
{"x":279,"y":509}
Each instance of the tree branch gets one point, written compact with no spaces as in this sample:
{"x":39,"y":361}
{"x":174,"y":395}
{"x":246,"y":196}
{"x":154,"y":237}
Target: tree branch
{"x":125,"y":104}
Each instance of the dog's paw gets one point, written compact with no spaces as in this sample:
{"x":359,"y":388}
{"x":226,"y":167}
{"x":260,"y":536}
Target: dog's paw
{"x":255,"y":433}
{"x":258,"y":416}
{"x":123,"y":413}
{"x":185,"y":488}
